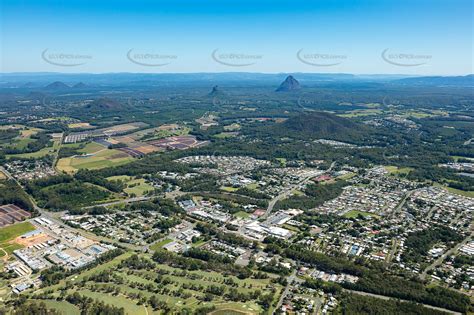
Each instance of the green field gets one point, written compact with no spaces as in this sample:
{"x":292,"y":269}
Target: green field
{"x":21,"y":143}
{"x":252,"y":186}
{"x":424,"y":114}
{"x":398,"y":170}
{"x":241,"y":214}
{"x":347,"y":176}
{"x":9,"y":248}
{"x":225,"y":135}
{"x":297,"y":193}
{"x":159,"y":134}
{"x":356,"y":213}
{"x":24,"y":138}
{"x":456,"y":191}
{"x":136,"y":186}
{"x":229,"y":311}
{"x":136,"y":281}
{"x":91,"y":147}
{"x":96,"y":157}
{"x":159,"y":245}
{"x":361,"y":113}
{"x":457,"y":157}
{"x":232,"y":127}
{"x":117,"y":301}
{"x":461,"y":192}
{"x":61,"y":306}
{"x":10,"y":232}
{"x":282,"y":161}
{"x":124,"y":178}
{"x":199,"y":243}
{"x":229,"y":189}
{"x":38,"y":154}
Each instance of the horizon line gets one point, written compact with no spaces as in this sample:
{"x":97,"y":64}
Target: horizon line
{"x":238,"y":72}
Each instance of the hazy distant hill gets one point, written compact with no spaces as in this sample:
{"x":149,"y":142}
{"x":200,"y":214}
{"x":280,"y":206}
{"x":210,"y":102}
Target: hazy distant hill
{"x":216,"y":91}
{"x":467,"y":80}
{"x":104,"y":104}
{"x":4,"y":97}
{"x":79,"y":85}
{"x":58,"y":85}
{"x":29,"y":85}
{"x":290,"y":84}
{"x":36,"y":95}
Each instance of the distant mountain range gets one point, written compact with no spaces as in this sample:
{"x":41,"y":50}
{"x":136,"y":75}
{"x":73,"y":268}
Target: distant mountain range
{"x":96,"y":81}
{"x":467,"y":80}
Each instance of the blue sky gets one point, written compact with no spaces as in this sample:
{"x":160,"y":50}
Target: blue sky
{"x":426,"y":37}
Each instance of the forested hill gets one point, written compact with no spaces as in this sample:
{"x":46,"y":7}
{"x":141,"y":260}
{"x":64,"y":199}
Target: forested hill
{"x":104,"y":103}
{"x":321,"y":125}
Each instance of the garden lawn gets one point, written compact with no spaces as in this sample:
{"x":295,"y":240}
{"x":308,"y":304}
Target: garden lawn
{"x":355,"y":214}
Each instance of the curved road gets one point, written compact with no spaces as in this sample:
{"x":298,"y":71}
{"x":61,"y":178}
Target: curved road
{"x":449,"y":252}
